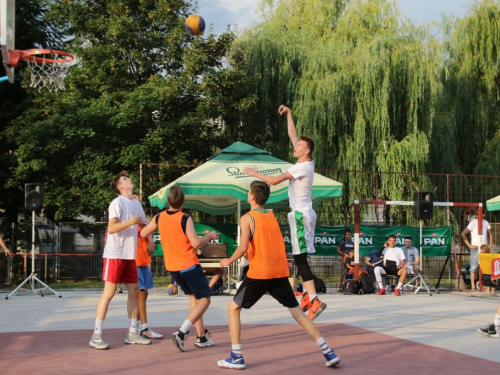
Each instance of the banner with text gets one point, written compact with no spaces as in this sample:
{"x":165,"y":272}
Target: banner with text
{"x":436,"y":241}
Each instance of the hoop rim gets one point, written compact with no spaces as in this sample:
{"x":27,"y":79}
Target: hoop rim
{"x":29,"y":56}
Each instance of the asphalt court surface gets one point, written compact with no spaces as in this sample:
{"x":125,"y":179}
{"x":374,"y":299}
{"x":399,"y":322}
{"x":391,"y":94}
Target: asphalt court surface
{"x":411,"y":334}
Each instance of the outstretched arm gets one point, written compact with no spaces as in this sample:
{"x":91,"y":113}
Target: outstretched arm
{"x":273,"y":180}
{"x":246,"y":229}
{"x":193,"y":236}
{"x":150,"y":228}
{"x":292,"y":131}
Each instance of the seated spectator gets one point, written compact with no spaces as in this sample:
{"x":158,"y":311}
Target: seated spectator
{"x":344,"y":246}
{"x":215,"y":272}
{"x":349,"y":264}
{"x":412,"y":256}
{"x":393,"y":264}
{"x":371,"y":261}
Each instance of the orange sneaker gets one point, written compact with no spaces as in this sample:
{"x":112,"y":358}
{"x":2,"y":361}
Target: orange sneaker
{"x":397,"y":292}
{"x":316,"y":308}
{"x":305,"y":303}
{"x":380,"y":292}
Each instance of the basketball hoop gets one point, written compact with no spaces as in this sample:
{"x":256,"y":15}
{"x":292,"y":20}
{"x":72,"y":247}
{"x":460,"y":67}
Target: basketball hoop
{"x":48,"y":67}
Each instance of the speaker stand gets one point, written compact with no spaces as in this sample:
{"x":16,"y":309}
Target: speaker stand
{"x":32,"y":278}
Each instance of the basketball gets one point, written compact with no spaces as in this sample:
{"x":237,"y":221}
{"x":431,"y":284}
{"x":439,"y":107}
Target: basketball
{"x":171,"y":289}
{"x":195,"y":25}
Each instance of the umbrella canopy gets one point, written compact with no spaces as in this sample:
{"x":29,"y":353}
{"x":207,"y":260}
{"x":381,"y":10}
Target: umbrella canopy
{"x":493,"y":204}
{"x":218,"y":185}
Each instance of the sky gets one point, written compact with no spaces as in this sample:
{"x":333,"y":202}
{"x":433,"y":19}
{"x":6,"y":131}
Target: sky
{"x":221,"y":13}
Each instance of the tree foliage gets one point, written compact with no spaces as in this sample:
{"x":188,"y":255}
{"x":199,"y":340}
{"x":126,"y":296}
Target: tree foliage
{"x":361,"y":79}
{"x":143,"y":91}
{"x":472,"y":88}
{"x":33,"y":30}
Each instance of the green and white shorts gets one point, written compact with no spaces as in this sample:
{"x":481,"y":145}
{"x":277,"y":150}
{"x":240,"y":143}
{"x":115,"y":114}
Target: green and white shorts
{"x":302,"y":225}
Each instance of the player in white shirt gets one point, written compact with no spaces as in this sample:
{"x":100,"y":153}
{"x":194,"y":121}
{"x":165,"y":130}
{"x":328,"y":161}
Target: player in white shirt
{"x":302,"y":218}
{"x":125,"y":213}
{"x":393,"y":264}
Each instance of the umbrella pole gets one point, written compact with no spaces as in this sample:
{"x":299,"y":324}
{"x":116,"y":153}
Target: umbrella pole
{"x":239,"y":267}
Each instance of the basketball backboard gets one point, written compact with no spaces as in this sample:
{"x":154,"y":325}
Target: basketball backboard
{"x":7,"y":33}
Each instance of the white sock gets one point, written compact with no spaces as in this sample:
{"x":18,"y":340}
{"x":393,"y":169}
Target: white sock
{"x":236,"y":349}
{"x":380,"y":286}
{"x":311,"y":297}
{"x":400,"y":285}
{"x":144,"y":326}
{"x":323,"y":345}
{"x":497,"y":320}
{"x":98,"y":326}
{"x":133,"y":325}
{"x":185,"y":326}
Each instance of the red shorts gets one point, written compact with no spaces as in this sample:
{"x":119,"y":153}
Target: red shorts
{"x":119,"y":271}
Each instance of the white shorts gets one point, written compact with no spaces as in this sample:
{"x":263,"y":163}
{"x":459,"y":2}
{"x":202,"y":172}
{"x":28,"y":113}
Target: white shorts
{"x":302,"y":226}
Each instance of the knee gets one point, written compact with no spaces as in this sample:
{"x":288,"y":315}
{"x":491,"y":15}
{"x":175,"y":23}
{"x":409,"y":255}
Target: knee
{"x":233,"y":309}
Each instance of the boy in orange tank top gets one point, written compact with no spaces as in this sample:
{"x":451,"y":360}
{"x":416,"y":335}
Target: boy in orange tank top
{"x":268,"y":273}
{"x":145,"y":249}
{"x":179,"y":241}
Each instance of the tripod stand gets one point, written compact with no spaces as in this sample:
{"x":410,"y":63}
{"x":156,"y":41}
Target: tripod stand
{"x":420,"y":275}
{"x":32,"y":278}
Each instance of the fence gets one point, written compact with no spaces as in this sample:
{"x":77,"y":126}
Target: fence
{"x":80,"y":245}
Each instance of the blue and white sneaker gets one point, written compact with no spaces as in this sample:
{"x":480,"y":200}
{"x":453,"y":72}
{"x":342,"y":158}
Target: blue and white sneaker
{"x":235,"y":362}
{"x":331,"y":359}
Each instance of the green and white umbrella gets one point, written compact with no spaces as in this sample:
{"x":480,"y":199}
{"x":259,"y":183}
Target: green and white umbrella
{"x":220,"y":187}
{"x":493,"y":204}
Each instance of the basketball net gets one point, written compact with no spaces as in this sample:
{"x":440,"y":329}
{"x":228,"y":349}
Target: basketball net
{"x":50,"y":72}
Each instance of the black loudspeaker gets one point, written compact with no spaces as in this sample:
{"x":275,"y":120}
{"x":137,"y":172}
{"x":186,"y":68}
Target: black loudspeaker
{"x":214,"y":250}
{"x":423,"y":204}
{"x":33,"y":196}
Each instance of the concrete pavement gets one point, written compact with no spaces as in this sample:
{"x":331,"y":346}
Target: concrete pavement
{"x":446,"y":321}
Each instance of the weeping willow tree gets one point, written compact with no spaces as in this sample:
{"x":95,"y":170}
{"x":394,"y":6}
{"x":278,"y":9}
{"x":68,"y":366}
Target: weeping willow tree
{"x":361,"y":79}
{"x":471,"y":99}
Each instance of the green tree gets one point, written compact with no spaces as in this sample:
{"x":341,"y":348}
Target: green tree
{"x":471,"y":101}
{"x":32,"y":30}
{"x":143,"y":90}
{"x":361,"y":79}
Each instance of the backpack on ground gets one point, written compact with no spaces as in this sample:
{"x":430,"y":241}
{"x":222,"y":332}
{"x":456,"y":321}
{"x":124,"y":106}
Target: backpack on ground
{"x":350,"y":286}
{"x":319,"y":285}
{"x":365,"y":285}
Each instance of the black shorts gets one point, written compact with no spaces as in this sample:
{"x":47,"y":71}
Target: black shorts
{"x":390,"y":268}
{"x":193,"y":282}
{"x":251,"y":290}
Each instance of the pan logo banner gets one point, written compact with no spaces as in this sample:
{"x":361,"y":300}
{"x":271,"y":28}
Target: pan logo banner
{"x":436,"y":241}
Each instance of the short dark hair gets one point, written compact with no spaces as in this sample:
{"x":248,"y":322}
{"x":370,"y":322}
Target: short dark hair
{"x":310,"y":143}
{"x":175,"y":196}
{"x":391,"y":235}
{"x":116,"y":180}
{"x":348,"y":231}
{"x":260,"y":190}
{"x":409,"y":238}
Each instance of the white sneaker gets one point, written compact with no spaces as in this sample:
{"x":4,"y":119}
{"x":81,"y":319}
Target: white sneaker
{"x":97,"y":342}
{"x":135,"y":338}
{"x":150,"y":334}
{"x":204,"y":341}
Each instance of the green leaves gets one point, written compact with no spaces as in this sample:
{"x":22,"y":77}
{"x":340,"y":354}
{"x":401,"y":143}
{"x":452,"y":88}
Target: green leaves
{"x":143,"y":90}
